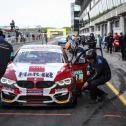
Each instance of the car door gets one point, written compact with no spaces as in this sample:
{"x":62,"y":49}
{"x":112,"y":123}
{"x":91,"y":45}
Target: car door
{"x":79,"y":68}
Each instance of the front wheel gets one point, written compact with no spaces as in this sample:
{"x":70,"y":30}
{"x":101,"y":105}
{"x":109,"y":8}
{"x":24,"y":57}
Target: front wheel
{"x":73,"y":102}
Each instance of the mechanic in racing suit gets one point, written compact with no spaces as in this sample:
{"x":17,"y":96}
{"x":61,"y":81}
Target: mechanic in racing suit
{"x":71,"y":45}
{"x":91,"y":41}
{"x":6,"y":50}
{"x":98,"y":73}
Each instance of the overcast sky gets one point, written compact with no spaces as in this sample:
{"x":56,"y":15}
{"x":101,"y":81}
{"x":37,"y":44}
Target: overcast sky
{"x":52,"y":13}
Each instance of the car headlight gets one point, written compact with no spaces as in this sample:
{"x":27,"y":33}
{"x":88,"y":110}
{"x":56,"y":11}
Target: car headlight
{"x":7,"y":81}
{"x":66,"y":81}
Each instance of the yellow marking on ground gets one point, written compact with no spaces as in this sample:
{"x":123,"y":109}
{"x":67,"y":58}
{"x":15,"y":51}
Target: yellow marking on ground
{"x":116,"y":92}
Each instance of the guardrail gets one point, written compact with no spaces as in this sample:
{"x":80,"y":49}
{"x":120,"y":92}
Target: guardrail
{"x":13,"y":40}
{"x":19,"y":40}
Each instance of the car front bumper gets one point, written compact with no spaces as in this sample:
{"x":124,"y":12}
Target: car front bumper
{"x":60,"y":96}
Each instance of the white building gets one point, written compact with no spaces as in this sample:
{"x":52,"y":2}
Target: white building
{"x":102,"y":16}
{"x":75,"y":10}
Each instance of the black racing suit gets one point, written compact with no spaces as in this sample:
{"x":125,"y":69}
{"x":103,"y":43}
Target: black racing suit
{"x":91,"y":42}
{"x":100,"y":73}
{"x":109,"y":41}
{"x":6,"y":50}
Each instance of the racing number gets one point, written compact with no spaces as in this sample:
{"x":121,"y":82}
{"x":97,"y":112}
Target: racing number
{"x":79,"y":75}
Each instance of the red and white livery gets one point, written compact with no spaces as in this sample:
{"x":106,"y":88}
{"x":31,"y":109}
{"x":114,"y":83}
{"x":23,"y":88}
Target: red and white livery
{"x":41,"y":74}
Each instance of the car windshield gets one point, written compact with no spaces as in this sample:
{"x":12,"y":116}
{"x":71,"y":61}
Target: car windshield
{"x":38,"y":57}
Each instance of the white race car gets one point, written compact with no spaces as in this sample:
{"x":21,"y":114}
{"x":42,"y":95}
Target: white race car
{"x":41,"y":74}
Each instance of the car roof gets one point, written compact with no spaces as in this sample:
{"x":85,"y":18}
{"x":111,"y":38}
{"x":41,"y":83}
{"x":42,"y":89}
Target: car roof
{"x":63,"y":38}
{"x":55,"y":48}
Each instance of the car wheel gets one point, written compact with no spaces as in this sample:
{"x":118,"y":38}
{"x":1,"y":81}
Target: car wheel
{"x":4,"y":104}
{"x":73,"y":102}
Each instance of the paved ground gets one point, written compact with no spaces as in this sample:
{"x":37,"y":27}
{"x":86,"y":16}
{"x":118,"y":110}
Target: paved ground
{"x":112,"y":112}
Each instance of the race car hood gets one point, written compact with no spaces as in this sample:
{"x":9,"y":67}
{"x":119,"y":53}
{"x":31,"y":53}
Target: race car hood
{"x":46,"y":72}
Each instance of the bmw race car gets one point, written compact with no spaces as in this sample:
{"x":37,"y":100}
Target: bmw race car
{"x":42,"y":75}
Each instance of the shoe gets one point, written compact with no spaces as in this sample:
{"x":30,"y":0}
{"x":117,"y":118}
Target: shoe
{"x":102,"y":98}
{"x":79,"y":92}
{"x":86,"y":91}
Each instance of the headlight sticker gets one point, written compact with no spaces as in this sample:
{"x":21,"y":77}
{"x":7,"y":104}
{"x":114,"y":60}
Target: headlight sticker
{"x":66,"y":81}
{"x":3,"y":80}
{"x":7,"y":81}
{"x":60,"y":83}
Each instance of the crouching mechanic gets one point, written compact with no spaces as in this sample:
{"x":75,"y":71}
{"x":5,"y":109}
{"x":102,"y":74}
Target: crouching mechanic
{"x":98,"y":73}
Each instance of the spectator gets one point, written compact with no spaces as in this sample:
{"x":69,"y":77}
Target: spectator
{"x":109,"y":41}
{"x":33,"y":37}
{"x":45,"y":37}
{"x":68,"y":38}
{"x":104,"y":41}
{"x":12,"y":24}
{"x":42,"y":37}
{"x":91,"y":41}
{"x":123,"y":46}
{"x":99,"y":41}
{"x":116,"y":43}
{"x":17,"y":35}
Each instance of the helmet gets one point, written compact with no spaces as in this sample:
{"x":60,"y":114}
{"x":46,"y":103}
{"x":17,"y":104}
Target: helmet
{"x":91,"y":54}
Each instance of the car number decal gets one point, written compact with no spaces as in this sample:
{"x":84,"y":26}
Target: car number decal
{"x":79,"y":74}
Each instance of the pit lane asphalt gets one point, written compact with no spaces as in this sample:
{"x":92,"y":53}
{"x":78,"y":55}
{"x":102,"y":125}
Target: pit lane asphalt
{"x":109,"y":113}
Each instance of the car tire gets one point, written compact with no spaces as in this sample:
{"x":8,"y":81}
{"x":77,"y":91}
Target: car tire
{"x":73,"y":102}
{"x":4,"y":105}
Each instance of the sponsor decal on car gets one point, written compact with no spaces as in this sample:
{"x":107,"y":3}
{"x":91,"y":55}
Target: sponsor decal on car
{"x":36,"y":74}
{"x":29,"y":72}
{"x":34,"y":92}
